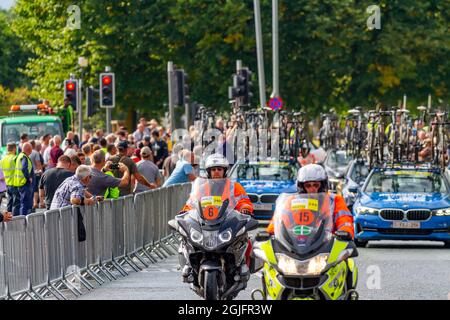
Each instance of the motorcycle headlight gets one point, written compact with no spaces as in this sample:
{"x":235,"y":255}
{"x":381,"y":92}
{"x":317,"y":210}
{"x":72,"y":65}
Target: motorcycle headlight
{"x":367,"y":211}
{"x":196,"y":236}
{"x":313,"y":266}
{"x":441,"y":212}
{"x":225,"y":236}
{"x":210,"y":239}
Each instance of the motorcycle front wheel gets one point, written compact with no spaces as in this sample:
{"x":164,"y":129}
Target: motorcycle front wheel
{"x":211,"y":287}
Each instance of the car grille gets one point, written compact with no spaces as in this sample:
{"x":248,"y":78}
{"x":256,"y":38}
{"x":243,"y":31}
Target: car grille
{"x":268,"y":198}
{"x":261,"y":214}
{"x":253,"y":197}
{"x":392,"y":214}
{"x":407,"y":232}
{"x":418,"y":215}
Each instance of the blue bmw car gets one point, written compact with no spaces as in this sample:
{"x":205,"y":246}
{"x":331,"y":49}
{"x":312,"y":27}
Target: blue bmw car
{"x":403,"y":204}
{"x":264,"y":181}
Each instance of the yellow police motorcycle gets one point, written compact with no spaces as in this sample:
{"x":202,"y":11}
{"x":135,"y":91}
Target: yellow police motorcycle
{"x":305,"y":259}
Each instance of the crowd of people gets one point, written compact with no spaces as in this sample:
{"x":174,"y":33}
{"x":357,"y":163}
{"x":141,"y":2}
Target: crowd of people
{"x":56,"y":171}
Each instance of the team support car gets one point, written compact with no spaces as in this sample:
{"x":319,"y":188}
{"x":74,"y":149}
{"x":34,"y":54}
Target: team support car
{"x":403,"y":204}
{"x":354,"y":180}
{"x":336,"y":165}
{"x":264,"y":181}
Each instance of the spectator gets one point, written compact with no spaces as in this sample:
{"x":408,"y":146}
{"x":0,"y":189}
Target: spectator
{"x":2,"y":185}
{"x":82,"y":157}
{"x":35,"y":158}
{"x":111,"y":151}
{"x":46,"y":155}
{"x":75,"y":162}
{"x":220,"y":125}
{"x":96,"y":147}
{"x":55,"y":152}
{"x":52,"y":179}
{"x":23,"y":180}
{"x":103,"y":145}
{"x":153,"y":125}
{"x":45,"y":143}
{"x":111,"y":139}
{"x":72,"y":190}
{"x":159,"y":147}
{"x":87,"y":151}
{"x":69,"y":140}
{"x":131,"y":139}
{"x":8,"y":164}
{"x":136,"y":157}
{"x":86,"y":138}
{"x":23,"y":139}
{"x":5,"y":217}
{"x":170,"y":162}
{"x":98,"y":134}
{"x":184,"y":172}
{"x":100,"y":181}
{"x":123,"y":157}
{"x":122,"y":135}
{"x":139,"y":133}
{"x":143,"y":122}
{"x":148,"y":169}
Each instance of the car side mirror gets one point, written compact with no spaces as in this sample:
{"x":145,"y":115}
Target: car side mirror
{"x":262,"y":236}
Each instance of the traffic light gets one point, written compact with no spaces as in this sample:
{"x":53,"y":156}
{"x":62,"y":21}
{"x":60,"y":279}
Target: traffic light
{"x":247,"y":94}
{"x":91,"y":101}
{"x":242,"y":87}
{"x":179,"y":87}
{"x":71,"y":93}
{"x":107,"y":90}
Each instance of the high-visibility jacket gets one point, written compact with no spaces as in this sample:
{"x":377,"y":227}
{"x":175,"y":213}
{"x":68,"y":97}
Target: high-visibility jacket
{"x":19,"y":178}
{"x":343,"y":219}
{"x":111,"y":192}
{"x":242,"y":201}
{"x":8,"y":165}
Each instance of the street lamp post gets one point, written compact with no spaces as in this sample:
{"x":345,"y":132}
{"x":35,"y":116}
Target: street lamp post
{"x":83,"y":63}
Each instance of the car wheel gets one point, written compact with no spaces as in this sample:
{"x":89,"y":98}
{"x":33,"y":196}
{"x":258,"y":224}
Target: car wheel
{"x":361,"y":243}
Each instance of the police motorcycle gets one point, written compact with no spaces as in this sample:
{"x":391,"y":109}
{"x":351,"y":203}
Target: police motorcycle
{"x":305,"y":260}
{"x":214,"y":241}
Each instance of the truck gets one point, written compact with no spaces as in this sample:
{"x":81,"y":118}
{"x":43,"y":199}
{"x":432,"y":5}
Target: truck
{"x":34,"y":120}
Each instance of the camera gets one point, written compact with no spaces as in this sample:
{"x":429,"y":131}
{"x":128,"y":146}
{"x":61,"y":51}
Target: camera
{"x":114,"y":166}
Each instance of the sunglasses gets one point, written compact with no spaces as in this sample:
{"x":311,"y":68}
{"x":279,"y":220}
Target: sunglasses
{"x":217,"y":169}
{"x":312,"y":184}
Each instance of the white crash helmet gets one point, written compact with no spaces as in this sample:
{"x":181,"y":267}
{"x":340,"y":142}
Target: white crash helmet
{"x":216,"y":160}
{"x":312,"y":172}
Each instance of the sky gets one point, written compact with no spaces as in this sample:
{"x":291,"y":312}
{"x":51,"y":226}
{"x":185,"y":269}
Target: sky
{"x":6,"y":4}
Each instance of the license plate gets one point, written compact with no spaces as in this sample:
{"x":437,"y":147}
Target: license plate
{"x":406,"y":225}
{"x":262,"y":206}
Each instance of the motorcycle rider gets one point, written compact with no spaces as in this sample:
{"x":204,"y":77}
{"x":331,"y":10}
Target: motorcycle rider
{"x":306,"y":157}
{"x":216,"y":166}
{"x":312,"y":178}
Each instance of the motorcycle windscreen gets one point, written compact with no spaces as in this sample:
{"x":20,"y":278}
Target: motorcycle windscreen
{"x":303,"y":222}
{"x":212,"y":198}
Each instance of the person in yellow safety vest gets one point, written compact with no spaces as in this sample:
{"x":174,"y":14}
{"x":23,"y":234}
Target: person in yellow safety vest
{"x":23,"y":180}
{"x":8,"y":165}
{"x":111,"y":192}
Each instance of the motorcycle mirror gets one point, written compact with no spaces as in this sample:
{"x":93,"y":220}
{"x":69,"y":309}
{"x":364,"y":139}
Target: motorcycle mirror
{"x":252,"y":224}
{"x":262,"y":236}
{"x":173,"y":224}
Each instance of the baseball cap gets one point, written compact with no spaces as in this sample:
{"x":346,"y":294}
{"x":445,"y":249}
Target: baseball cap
{"x":147,"y":138}
{"x":145,"y":151}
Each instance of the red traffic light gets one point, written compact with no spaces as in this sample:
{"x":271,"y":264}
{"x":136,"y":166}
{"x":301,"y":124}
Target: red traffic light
{"x":106,"y":80}
{"x":70,"y":86}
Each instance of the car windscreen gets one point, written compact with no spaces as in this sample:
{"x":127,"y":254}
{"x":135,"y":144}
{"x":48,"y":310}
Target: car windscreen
{"x":338,"y":160}
{"x":406,"y":182}
{"x":34,"y":130}
{"x":359,"y":172}
{"x":272,"y":172}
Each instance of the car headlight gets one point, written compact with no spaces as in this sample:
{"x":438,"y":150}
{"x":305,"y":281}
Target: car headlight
{"x":441,"y":212}
{"x":313,"y":266}
{"x":366,"y":210}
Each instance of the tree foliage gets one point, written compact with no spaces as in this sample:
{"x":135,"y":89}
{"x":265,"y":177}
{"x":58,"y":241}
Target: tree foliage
{"x":328,"y":57}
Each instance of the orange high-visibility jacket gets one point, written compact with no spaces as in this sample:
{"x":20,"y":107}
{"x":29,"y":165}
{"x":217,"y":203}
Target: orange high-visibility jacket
{"x":240,"y":197}
{"x":343,"y":218}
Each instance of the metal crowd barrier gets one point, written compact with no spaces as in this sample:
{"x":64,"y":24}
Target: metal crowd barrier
{"x":41,"y":255}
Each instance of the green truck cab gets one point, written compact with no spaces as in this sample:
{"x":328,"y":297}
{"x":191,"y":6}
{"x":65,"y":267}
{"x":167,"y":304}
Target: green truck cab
{"x":33,"y":124}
